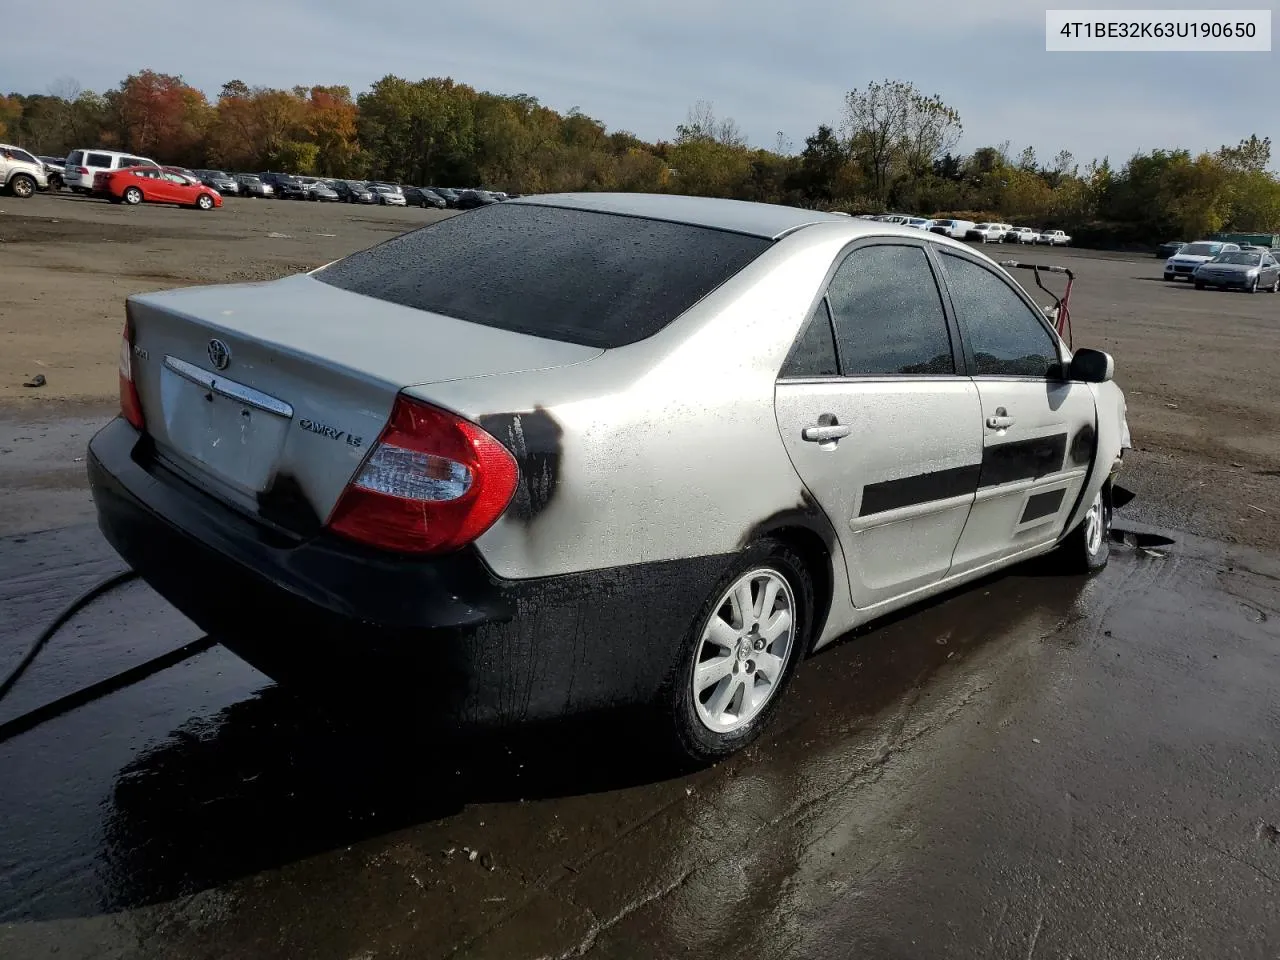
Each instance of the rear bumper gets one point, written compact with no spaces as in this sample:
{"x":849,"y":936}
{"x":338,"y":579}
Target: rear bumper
{"x":491,"y":651}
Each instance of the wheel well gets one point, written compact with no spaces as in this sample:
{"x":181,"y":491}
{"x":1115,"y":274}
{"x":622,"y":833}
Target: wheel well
{"x":813,"y":550}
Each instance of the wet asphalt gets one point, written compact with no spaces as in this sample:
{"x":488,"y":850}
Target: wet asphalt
{"x":1035,"y":766}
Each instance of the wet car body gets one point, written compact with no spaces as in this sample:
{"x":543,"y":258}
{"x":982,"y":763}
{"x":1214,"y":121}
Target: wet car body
{"x":612,"y":551}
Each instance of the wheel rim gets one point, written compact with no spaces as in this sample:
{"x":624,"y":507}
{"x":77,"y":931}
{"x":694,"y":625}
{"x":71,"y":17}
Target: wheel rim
{"x":132,"y":195}
{"x":22,"y":187}
{"x":1094,"y":524}
{"x":744,"y":651}
{"x":205,"y":203}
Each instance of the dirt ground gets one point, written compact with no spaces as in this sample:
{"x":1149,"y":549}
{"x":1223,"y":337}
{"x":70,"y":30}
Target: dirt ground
{"x":1198,"y":367}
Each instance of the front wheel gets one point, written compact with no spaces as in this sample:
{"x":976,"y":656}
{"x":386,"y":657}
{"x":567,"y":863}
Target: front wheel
{"x":204,"y":202}
{"x":1087,"y":548}
{"x":22,"y":186}
{"x":1253,"y":286}
{"x":132,"y":196}
{"x":1275,"y":287}
{"x":740,"y":653}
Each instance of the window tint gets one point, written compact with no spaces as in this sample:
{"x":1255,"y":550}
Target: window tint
{"x":1006,"y":336}
{"x":888,"y":314}
{"x":814,"y":354}
{"x":98,"y":160}
{"x":590,"y":278}
{"x":74,"y":158}
{"x":24,"y":157}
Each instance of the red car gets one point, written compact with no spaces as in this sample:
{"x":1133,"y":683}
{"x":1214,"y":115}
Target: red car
{"x":133,"y":185}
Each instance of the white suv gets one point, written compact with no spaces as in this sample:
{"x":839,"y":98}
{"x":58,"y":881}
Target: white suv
{"x":21,"y":173}
{"x":83,"y":165}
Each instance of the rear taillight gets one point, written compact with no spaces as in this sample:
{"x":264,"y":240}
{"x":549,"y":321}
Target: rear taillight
{"x":82,"y":170}
{"x":130,"y":404}
{"x":433,"y":483}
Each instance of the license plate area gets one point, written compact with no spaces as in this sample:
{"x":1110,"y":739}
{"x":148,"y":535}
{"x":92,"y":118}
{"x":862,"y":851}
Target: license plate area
{"x":227,"y":429}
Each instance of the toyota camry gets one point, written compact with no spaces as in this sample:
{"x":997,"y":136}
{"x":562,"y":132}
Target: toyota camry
{"x":573,"y":452}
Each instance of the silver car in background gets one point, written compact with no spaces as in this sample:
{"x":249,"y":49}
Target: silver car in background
{"x":575,"y":452}
{"x":251,"y":185}
{"x":1250,"y":270}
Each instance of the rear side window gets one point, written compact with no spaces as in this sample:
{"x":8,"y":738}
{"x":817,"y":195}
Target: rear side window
{"x":589,"y":278}
{"x":98,"y":160}
{"x":888,"y":314}
{"x":1006,"y":336}
{"x":814,"y":353}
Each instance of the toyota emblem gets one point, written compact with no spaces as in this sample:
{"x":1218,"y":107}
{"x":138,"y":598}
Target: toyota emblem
{"x":219,"y":354}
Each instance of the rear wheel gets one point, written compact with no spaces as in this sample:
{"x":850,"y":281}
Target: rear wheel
{"x":1087,"y":548}
{"x":132,"y":196}
{"x":22,"y":186}
{"x":740,"y":653}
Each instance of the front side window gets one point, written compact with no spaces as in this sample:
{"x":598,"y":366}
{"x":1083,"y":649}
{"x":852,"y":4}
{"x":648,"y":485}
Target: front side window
{"x":1006,"y":336}
{"x":888,"y":314}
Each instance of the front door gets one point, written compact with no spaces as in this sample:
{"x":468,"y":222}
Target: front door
{"x":1038,"y":427}
{"x":880,"y":427}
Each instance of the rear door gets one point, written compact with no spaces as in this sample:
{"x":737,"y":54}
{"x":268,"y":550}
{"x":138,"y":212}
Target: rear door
{"x":882,"y":429}
{"x":1038,"y":428}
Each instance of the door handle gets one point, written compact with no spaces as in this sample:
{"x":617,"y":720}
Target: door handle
{"x":999,"y":423}
{"x":825,"y":434}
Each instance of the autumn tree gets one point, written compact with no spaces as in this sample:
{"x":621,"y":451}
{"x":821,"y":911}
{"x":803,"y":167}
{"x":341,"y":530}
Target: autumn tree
{"x":159,"y":115}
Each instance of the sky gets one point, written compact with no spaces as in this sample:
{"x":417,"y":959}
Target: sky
{"x":770,"y":66}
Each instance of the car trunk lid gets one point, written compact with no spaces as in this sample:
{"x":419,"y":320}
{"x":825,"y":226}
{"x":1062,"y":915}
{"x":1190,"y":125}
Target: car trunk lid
{"x":270,"y":395}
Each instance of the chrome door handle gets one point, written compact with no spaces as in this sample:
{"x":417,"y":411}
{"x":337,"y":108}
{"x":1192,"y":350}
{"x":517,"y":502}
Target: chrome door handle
{"x":825,"y":434}
{"x":999,"y":423}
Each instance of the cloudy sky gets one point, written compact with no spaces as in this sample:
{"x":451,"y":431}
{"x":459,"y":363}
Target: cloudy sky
{"x":638,"y":66}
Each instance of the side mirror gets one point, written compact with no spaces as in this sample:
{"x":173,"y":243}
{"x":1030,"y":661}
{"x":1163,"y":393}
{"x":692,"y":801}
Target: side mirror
{"x":1092,"y":366}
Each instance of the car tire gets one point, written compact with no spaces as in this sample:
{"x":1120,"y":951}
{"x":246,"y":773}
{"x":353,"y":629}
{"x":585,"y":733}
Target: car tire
{"x":22,"y":186}
{"x":204,"y":202}
{"x":1166,"y":277}
{"x":132,"y":196}
{"x":1253,"y":287}
{"x":690,"y":702}
{"x":1087,"y":548}
{"x":1275,"y":287}
{"x":1199,"y":285}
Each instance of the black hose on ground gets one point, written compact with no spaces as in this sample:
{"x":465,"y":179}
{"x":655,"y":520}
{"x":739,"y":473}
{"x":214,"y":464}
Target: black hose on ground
{"x":71,"y":610}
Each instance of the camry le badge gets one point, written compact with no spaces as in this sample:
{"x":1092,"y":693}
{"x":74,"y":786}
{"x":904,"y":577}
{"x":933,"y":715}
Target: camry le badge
{"x":219,"y":354}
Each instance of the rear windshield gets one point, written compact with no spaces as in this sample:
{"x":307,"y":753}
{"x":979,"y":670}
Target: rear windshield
{"x":589,"y":278}
{"x":74,"y":158}
{"x":1201,"y":249}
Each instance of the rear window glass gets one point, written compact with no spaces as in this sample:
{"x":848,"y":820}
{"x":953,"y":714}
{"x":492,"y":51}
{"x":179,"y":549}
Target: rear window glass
{"x":75,"y":157}
{"x":98,"y":160}
{"x":589,"y":278}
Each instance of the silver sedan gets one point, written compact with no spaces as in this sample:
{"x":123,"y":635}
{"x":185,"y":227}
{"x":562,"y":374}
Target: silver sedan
{"x":574,"y":452}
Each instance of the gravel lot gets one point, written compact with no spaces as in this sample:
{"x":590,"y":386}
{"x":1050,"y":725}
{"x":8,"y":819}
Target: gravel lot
{"x":1198,"y":367}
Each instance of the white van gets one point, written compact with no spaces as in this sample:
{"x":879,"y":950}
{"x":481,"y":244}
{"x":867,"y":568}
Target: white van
{"x":952,"y":228}
{"x":82,"y":165}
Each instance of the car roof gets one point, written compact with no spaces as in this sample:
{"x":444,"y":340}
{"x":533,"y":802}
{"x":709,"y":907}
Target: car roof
{"x":766,"y":220}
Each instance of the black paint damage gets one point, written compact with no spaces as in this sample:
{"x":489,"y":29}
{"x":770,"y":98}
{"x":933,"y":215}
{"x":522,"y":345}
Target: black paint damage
{"x":535,"y":440}
{"x":1083,"y":445}
{"x":1042,"y":505}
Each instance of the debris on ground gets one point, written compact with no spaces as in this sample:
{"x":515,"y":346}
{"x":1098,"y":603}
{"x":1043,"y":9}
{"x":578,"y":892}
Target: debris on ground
{"x":37,"y":381}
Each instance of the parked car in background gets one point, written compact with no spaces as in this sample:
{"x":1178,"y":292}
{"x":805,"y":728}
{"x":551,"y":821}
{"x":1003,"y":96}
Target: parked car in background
{"x":471,"y":199}
{"x":388,"y":195}
{"x":220,"y":180}
{"x":54,"y":168}
{"x":1169,"y":248}
{"x":83,"y":165}
{"x":286,"y":186}
{"x":252,"y":185}
{"x":135,"y":185}
{"x":1021,"y":235}
{"x":1054,"y":238}
{"x":21,"y":174}
{"x":1182,"y":265}
{"x":322,"y":192}
{"x":1250,"y":270}
{"x":956,"y":229}
{"x":918,"y":223}
{"x":449,"y":194}
{"x":407,"y":508}
{"x":986,"y":232}
{"x":354,"y":191}
{"x":424,"y":197}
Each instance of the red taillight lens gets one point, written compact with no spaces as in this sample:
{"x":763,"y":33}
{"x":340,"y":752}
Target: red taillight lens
{"x":130,"y":404}
{"x":432,"y":483}
{"x":83,"y":170}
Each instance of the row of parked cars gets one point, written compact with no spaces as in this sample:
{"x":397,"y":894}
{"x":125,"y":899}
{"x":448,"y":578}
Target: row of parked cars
{"x":978,"y":232}
{"x":287,"y":186}
{"x":1224,"y":266}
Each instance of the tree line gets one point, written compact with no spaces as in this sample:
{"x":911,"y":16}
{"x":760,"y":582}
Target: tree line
{"x":892,"y":149}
